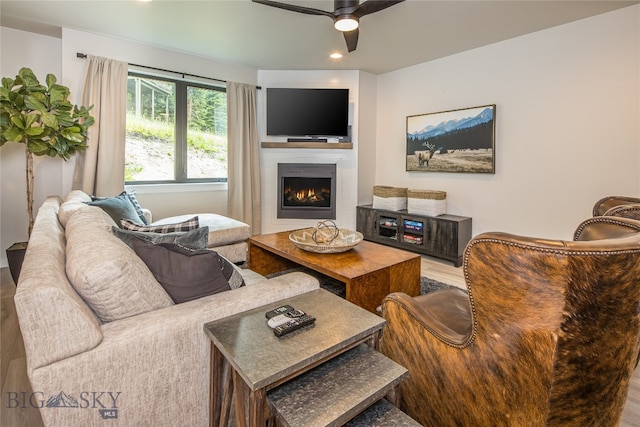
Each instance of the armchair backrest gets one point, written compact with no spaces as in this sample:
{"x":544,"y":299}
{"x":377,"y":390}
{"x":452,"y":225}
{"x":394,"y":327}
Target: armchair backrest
{"x":554,"y":340}
{"x":606,"y":203}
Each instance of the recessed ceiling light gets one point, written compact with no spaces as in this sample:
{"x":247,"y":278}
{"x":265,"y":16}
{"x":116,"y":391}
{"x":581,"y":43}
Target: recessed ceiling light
{"x":335,"y":55}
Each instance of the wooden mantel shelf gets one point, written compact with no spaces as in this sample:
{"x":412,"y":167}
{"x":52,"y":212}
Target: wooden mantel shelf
{"x":324,"y":145}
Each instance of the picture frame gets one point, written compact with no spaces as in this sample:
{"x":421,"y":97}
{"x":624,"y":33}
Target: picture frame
{"x":453,"y":141}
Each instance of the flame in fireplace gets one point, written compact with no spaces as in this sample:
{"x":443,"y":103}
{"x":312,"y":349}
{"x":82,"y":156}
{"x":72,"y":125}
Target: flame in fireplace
{"x":307,"y":195}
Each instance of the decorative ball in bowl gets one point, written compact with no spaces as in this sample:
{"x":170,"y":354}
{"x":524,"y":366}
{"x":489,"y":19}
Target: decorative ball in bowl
{"x":325,"y":238}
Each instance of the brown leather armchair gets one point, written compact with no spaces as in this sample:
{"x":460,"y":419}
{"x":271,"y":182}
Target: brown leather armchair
{"x":628,"y":207}
{"x":548,"y":333}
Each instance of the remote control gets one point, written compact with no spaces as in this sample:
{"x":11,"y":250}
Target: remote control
{"x":284,"y":318}
{"x":278,"y":311}
{"x":293,"y":325}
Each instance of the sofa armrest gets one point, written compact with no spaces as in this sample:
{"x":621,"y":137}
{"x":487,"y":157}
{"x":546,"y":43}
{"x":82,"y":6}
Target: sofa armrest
{"x":55,"y":323}
{"x":147,"y":215}
{"x":159,"y":356}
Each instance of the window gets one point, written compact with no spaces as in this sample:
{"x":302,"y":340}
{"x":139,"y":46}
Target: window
{"x":176,"y":131}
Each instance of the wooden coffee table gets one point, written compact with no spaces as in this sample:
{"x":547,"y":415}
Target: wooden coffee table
{"x":370,"y":271}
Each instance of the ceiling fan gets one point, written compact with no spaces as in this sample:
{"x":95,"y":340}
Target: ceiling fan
{"x":346,"y":14}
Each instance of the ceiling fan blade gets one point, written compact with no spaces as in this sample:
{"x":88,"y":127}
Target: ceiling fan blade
{"x":294,"y":8}
{"x":351,"y":37}
{"x":372,"y":6}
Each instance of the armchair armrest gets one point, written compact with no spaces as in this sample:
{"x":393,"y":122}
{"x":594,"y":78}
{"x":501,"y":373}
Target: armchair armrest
{"x":446,"y":313}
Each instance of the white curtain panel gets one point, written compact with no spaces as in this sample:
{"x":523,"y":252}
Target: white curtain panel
{"x":99,"y":169}
{"x":243,"y":156}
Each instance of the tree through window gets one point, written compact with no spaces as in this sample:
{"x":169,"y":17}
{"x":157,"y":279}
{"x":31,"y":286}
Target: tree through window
{"x":176,"y":131}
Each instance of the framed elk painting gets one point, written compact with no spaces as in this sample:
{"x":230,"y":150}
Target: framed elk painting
{"x":452,"y":141}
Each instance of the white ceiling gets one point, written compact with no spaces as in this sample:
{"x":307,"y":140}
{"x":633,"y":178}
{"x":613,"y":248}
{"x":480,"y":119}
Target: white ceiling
{"x":259,"y":36}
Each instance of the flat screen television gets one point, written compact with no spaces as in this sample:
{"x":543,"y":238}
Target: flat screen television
{"x":314,"y":113}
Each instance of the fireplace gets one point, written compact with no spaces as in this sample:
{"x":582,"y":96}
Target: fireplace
{"x":307,"y":190}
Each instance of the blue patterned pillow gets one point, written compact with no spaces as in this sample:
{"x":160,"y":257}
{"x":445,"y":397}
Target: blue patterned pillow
{"x":136,"y":205}
{"x":118,"y":208}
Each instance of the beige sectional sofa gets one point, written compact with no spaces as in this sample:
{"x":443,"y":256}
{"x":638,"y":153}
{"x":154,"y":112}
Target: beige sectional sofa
{"x":105,"y":345}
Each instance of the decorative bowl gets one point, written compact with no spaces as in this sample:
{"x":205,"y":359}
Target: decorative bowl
{"x":308,"y":239}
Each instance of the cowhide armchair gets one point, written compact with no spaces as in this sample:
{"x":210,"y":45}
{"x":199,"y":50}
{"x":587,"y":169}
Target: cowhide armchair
{"x":548,"y":333}
{"x":627,"y":207}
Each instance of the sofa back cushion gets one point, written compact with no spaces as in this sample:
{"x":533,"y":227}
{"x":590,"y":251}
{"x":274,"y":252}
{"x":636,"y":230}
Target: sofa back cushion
{"x":74,"y":201}
{"x":106,"y":272}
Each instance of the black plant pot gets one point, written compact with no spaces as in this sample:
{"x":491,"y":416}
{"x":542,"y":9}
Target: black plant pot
{"x":15,"y":256}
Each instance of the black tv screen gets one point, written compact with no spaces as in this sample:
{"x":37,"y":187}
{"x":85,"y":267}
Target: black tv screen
{"x":307,"y":112}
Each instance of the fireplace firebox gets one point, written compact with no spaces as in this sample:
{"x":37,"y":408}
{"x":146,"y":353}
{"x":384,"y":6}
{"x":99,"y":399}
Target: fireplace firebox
{"x":307,"y":190}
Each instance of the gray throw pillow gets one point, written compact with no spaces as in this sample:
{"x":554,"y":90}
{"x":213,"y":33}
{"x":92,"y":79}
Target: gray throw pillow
{"x":230,"y":272}
{"x":118,"y":207}
{"x":196,"y":239}
{"x":185,"y":274}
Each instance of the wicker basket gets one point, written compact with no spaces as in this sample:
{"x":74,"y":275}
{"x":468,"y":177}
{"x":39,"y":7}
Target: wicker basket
{"x":427,"y":202}
{"x":391,"y":198}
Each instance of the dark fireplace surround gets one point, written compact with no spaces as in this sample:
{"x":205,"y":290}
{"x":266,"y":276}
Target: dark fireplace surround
{"x":307,"y":190}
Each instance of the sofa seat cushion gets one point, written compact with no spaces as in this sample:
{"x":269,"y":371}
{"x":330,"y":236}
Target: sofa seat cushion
{"x":106,"y":272}
{"x":222,"y":230}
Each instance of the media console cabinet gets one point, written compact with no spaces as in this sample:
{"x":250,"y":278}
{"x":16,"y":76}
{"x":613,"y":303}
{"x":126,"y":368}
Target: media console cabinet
{"x":443,"y":236}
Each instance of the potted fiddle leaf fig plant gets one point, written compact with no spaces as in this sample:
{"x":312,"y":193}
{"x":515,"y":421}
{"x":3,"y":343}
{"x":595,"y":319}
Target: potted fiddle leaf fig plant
{"x":43,"y":119}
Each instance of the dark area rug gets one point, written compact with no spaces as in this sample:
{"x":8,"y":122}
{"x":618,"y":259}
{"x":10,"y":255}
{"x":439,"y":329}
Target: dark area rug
{"x":335,"y":286}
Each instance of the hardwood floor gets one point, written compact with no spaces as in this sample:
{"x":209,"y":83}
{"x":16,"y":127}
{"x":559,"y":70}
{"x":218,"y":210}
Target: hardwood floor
{"x":13,"y":364}
{"x":13,"y":376}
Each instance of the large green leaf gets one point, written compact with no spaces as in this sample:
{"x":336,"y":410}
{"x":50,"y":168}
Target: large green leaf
{"x":56,"y":95}
{"x":32,"y":103}
{"x":38,"y":147}
{"x":50,"y":120}
{"x":51,"y":80}
{"x":72,"y":134}
{"x":30,"y":119}
{"x":18,"y":122}
{"x":29,"y":79}
{"x":14,"y":134}
{"x":7,"y":83}
{"x":4,"y":94}
{"x":34,"y":131}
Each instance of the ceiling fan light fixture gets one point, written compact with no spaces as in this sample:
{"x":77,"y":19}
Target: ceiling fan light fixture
{"x":346,"y":23}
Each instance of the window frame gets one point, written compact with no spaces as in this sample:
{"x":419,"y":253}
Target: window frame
{"x":180,"y":131}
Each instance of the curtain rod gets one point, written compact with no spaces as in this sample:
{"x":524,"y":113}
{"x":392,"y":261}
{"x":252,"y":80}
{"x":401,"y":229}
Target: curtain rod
{"x":84,"y":56}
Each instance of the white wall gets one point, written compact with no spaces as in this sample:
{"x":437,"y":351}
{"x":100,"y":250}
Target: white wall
{"x":346,"y":160}
{"x":367,"y":108}
{"x":568,"y":128}
{"x":46,"y":54}
{"x":41,"y":54}
{"x":567,"y":123}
